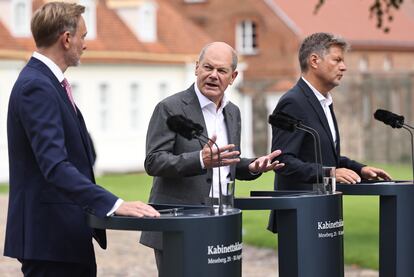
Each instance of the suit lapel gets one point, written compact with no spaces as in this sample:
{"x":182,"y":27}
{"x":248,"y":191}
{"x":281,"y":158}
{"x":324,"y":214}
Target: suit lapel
{"x":86,"y":141}
{"x":230,"y":125}
{"x":64,"y":97}
{"x":338,"y":144}
{"x":316,"y":105}
{"x":192,"y":109}
{"x":232,"y":129}
{"x":62,"y":92}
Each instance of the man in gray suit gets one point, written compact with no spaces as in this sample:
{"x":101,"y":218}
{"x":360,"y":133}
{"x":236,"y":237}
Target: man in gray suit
{"x":184,"y":174}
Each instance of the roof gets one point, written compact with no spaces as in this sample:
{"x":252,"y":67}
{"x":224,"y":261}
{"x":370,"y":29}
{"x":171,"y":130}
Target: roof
{"x":115,"y":42}
{"x":350,"y":19}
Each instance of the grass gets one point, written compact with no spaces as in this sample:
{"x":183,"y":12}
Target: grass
{"x":361,"y":222}
{"x":360,"y":212}
{"x":361,"y":230}
{"x":4,"y":188}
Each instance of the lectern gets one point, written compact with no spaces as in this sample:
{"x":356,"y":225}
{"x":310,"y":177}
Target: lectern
{"x":310,"y":228}
{"x":196,"y":242}
{"x":396,"y":245}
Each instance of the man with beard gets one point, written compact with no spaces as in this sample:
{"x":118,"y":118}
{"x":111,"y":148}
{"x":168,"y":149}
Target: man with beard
{"x":322,"y":62}
{"x":52,"y":184}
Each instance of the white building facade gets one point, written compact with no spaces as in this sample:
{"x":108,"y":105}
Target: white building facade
{"x":116,"y":90}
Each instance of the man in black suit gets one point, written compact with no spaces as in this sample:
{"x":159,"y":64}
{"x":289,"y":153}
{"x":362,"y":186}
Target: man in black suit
{"x":52,"y":185}
{"x":184,"y":174}
{"x":322,"y":63}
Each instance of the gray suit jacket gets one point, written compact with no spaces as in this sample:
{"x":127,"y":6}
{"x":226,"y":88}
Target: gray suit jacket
{"x":174,"y":161}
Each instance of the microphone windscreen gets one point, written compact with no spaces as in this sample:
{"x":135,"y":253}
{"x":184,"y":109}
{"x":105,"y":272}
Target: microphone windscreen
{"x":389,"y":118}
{"x":281,"y":121}
{"x":184,"y":126}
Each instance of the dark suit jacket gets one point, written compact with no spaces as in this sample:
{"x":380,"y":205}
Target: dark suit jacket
{"x":297,"y":147}
{"x":51,"y":176}
{"x":298,"y":150}
{"x":174,"y":161}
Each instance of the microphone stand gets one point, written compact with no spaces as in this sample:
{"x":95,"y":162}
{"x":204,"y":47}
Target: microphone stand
{"x":317,"y":149}
{"x":211,"y":158}
{"x":188,"y":129}
{"x":288,"y":123}
{"x":220,"y":203}
{"x":409,"y":128}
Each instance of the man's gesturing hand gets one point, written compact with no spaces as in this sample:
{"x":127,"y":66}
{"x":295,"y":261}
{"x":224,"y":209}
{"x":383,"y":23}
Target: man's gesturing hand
{"x":264,"y":163}
{"x":210,"y":154}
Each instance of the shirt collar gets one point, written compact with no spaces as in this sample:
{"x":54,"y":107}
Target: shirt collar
{"x":204,"y":101}
{"x":322,"y":99}
{"x":51,"y":65}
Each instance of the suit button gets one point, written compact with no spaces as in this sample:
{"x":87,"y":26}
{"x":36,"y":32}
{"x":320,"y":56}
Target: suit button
{"x":208,"y":180}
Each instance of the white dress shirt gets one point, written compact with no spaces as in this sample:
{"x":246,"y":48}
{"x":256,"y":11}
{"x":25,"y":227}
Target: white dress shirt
{"x":214,"y":119}
{"x":59,"y":75}
{"x":325,"y":103}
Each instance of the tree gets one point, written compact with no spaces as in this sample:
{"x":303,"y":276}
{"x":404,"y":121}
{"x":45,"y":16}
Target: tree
{"x":380,"y":9}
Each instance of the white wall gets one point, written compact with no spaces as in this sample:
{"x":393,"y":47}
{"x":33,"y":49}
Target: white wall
{"x":9,"y":71}
{"x":121,"y":145}
{"x":271,"y":101}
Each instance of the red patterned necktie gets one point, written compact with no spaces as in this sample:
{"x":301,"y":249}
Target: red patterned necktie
{"x":68,"y":89}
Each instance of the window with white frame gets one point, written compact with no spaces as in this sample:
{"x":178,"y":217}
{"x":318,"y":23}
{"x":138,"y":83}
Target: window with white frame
{"x":147,"y":22}
{"x":246,"y":37}
{"x":134,"y":100}
{"x":90,"y":17}
{"x":104,"y":106}
{"x":363,"y":64}
{"x":163,"y":90}
{"x":21,"y":14}
{"x":387,"y":65}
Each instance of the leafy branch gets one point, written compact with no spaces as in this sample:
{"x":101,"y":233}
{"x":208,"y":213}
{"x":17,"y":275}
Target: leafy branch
{"x":381,"y":9}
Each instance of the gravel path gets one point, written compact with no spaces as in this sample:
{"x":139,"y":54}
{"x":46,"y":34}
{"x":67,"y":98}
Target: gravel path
{"x":125,"y":257}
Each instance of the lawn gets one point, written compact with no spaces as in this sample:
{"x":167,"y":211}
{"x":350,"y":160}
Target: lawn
{"x":360,"y":213}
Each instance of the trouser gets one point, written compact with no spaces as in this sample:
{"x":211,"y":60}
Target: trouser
{"x":158,"y":260}
{"x":38,"y":268}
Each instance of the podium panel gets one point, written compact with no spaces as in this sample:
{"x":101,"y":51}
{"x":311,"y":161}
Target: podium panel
{"x":195,"y":242}
{"x":310,"y":228}
{"x":396,"y":245}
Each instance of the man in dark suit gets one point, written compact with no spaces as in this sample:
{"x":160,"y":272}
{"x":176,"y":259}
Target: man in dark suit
{"x":321,"y":58}
{"x":322,"y":63}
{"x":50,"y":156}
{"x":182,"y":173}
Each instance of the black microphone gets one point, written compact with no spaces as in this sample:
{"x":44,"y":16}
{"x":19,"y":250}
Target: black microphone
{"x":389,"y":118}
{"x":189,"y":130}
{"x":288,"y":123}
{"x":283,"y":121}
{"x":184,"y":126}
{"x":396,"y":121}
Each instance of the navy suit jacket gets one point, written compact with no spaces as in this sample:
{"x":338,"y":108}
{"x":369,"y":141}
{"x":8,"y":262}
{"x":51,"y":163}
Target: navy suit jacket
{"x":298,"y":148}
{"x":51,"y":174}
